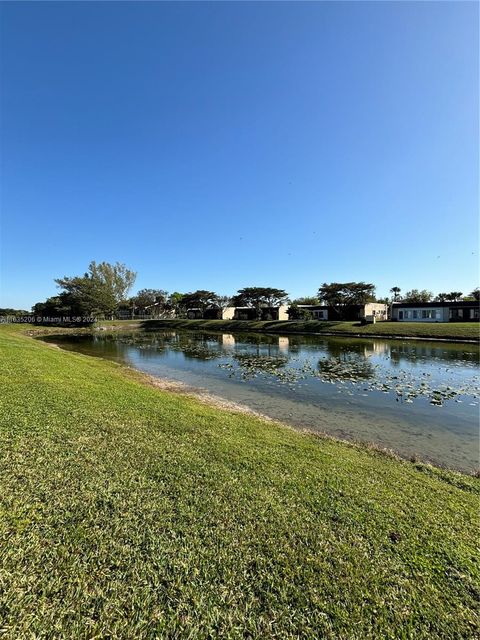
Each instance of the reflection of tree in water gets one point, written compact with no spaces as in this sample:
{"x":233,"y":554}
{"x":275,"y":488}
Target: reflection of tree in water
{"x":345,"y":367}
{"x":199,"y":346}
{"x":419,"y":354}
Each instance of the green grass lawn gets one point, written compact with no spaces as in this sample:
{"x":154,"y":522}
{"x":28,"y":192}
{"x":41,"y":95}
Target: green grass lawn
{"x":127,"y":512}
{"x":442,"y":330}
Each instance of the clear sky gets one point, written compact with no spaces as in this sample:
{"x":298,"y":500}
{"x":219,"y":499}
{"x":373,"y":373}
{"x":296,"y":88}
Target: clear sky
{"x":224,"y":145}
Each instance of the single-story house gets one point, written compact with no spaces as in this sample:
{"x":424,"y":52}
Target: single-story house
{"x":317,"y":311}
{"x":462,"y":311}
{"x":372,"y":311}
{"x":211,"y":313}
{"x":266,"y":313}
{"x":195,"y":313}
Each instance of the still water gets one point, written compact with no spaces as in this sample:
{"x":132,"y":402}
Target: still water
{"x":417,"y":398}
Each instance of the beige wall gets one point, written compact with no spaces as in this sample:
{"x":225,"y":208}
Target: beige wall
{"x":227,"y":313}
{"x":379,"y":308}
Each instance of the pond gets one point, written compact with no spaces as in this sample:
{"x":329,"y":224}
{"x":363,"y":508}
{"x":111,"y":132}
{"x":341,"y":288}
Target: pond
{"x":417,"y":398}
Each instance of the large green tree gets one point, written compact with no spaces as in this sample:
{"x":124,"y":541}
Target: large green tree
{"x":201,"y":299}
{"x":258,"y":297}
{"x":346,"y":294}
{"x":153,"y":301}
{"x":63,"y":305}
{"x":100,"y":290}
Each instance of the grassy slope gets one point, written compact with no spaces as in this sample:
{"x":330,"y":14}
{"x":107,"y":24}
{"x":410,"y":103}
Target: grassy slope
{"x":453,"y":331}
{"x":126,"y":512}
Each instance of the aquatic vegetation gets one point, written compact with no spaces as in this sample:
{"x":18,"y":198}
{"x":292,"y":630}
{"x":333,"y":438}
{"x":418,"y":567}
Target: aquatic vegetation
{"x":364,"y":377}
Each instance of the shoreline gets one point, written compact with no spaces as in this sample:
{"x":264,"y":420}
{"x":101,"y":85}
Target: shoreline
{"x":275,"y":328}
{"x":279,"y":328}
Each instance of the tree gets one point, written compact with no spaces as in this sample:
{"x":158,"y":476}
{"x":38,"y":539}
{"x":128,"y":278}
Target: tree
{"x":296,"y":312}
{"x":147,"y":297}
{"x":306,"y":300}
{"x":258,"y":297}
{"x":441,"y":297}
{"x":13,"y":312}
{"x":174,"y":304}
{"x":475,"y":294}
{"x":150,"y":300}
{"x":63,"y":305}
{"x":453,"y":296}
{"x":386,"y":300}
{"x":200,"y":299}
{"x":112,"y":280}
{"x":100,"y":290}
{"x":396,"y":293}
{"x":224,"y":302}
{"x":418,"y":296}
{"x":346,"y":294}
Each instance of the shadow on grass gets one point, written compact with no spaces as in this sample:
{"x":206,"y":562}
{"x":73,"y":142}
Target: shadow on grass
{"x":272,"y":326}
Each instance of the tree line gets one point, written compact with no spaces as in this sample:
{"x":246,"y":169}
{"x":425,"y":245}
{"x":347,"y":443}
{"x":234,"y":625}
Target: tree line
{"x":104,"y":290}
{"x":416,"y":295}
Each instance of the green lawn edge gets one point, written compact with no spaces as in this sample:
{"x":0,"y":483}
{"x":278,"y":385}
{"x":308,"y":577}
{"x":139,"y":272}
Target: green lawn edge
{"x":126,"y":512}
{"x":455,"y":332}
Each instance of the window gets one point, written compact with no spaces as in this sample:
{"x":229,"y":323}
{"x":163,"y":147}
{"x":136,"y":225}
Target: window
{"x":430,"y":314}
{"x":474,"y":314}
{"x":400,"y":315}
{"x":415,"y":313}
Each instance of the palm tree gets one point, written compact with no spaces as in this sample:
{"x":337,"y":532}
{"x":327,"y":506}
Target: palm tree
{"x":395,"y":291}
{"x":453,"y":296}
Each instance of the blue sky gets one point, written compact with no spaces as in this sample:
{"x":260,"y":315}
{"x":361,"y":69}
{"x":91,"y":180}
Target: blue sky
{"x":223,"y":145}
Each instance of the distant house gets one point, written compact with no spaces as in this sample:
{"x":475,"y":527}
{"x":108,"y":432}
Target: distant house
{"x":266,"y":313}
{"x":372,"y":311}
{"x":317,"y":311}
{"x":195,"y":313}
{"x":211,"y":313}
{"x":462,"y":311}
